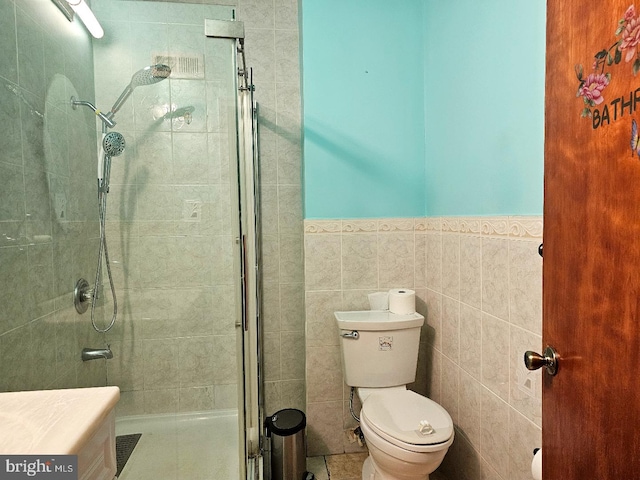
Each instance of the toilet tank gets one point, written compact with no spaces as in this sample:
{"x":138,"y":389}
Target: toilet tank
{"x":383,"y":352}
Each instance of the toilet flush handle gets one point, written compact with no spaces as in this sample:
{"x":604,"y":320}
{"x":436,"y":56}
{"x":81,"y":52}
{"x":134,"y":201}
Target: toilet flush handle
{"x":352,"y":334}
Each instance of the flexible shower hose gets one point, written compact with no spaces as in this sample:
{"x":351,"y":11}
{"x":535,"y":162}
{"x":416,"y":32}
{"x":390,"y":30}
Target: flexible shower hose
{"x":102,"y":215}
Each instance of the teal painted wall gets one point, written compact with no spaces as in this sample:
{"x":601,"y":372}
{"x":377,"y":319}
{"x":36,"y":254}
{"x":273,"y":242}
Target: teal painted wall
{"x":484,"y":103}
{"x":363,"y":108}
{"x":423,"y":107}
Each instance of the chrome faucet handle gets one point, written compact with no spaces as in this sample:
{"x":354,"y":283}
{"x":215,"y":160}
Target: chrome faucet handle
{"x":82,"y":295}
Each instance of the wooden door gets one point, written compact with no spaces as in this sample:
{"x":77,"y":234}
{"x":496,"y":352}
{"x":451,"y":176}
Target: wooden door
{"x":591,"y":273}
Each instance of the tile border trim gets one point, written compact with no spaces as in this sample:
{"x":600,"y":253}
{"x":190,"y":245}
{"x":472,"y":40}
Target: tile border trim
{"x":523,"y":227}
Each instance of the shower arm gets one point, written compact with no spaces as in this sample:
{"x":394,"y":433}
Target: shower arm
{"x":106,"y":119}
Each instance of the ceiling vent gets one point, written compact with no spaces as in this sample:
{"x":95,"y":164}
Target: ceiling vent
{"x":186,"y":66}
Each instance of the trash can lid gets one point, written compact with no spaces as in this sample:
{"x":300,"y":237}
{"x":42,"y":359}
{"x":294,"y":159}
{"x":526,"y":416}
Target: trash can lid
{"x":286,"y":422}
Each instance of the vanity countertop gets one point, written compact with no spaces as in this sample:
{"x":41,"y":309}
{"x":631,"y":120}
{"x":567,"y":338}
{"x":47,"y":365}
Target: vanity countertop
{"x":53,"y":421}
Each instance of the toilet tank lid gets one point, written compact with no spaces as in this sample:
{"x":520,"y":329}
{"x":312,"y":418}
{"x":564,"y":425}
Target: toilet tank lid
{"x":377,"y":320}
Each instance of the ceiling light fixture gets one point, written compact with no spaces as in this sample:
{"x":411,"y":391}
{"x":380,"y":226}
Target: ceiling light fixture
{"x":83,"y":11}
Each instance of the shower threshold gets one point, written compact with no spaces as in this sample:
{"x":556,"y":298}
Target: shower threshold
{"x":194,"y":446}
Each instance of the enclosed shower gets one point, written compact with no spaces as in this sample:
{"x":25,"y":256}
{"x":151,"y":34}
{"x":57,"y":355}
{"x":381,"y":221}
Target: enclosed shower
{"x":154,"y":204}
{"x":181,"y":223}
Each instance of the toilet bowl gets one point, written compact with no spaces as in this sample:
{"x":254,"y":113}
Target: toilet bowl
{"x":407,"y":434}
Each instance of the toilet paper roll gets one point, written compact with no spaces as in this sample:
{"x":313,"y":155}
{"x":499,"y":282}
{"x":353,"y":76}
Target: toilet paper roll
{"x":402,"y":301}
{"x":536,"y":465}
{"x":379,"y":301}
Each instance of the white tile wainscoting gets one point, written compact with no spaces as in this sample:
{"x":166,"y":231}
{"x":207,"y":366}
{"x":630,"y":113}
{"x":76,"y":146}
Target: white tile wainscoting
{"x":479,"y":285}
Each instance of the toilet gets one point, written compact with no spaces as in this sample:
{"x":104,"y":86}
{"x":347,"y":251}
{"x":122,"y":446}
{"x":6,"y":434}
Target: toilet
{"x":407,"y":434}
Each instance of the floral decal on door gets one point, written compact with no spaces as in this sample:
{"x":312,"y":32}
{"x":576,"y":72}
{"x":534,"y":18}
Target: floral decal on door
{"x":592,"y":87}
{"x":635,"y":139}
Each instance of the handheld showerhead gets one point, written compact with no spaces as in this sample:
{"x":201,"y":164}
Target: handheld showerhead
{"x":147,"y":76}
{"x":113,"y":144}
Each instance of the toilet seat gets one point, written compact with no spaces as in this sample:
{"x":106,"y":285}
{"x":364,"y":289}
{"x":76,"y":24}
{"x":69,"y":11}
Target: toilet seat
{"x":396,"y":416}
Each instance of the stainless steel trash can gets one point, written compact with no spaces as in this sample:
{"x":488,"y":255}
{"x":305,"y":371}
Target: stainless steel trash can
{"x":288,"y":454}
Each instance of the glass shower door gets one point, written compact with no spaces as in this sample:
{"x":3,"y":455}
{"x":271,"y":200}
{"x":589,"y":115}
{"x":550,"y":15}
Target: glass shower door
{"x":222,"y":35}
{"x":184,"y":360}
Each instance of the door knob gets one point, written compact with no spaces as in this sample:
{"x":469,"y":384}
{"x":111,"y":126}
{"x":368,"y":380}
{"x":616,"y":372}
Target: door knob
{"x":549,"y":360}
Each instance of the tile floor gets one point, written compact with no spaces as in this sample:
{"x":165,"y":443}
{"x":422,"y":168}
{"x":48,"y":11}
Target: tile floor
{"x":347,"y":466}
{"x":337,"y":467}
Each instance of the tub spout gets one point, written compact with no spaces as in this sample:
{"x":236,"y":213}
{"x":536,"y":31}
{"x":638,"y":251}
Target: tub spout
{"x":96,"y":353}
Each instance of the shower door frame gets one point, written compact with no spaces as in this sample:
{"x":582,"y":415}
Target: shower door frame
{"x":246,"y":256}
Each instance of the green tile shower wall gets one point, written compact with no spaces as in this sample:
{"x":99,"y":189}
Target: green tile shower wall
{"x":175,"y":346}
{"x":363,"y":109}
{"x":174,"y":342}
{"x":48,"y":214}
{"x":423,"y":108}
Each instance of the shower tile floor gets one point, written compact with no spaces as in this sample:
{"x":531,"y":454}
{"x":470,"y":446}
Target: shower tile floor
{"x":347,"y":466}
{"x":197,"y":447}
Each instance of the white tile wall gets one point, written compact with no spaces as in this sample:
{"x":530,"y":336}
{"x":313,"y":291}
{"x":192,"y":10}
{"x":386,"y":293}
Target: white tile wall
{"x":478,"y":283}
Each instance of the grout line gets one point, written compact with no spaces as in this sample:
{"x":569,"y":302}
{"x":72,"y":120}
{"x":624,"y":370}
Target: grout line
{"x":326,"y":466}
